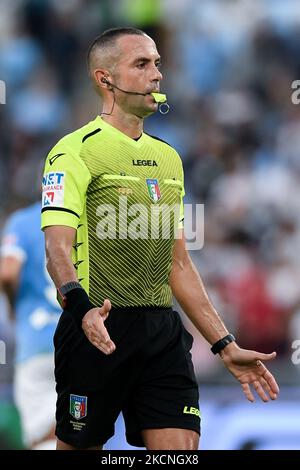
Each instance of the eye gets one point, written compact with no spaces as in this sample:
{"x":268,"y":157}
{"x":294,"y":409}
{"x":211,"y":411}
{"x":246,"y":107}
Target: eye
{"x":141,"y":65}
{"x":158,"y":65}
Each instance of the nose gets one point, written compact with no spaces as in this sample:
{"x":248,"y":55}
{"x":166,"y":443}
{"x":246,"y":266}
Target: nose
{"x":157,"y":76}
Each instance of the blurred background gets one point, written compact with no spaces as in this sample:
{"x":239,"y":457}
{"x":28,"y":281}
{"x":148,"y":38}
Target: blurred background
{"x":228,"y":69}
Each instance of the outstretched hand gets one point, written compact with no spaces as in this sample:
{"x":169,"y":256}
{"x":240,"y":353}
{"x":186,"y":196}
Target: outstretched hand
{"x":247,"y":368}
{"x":94,"y":329}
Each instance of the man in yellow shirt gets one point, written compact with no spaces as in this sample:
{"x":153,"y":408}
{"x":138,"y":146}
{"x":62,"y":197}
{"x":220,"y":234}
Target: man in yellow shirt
{"x":120,"y":347}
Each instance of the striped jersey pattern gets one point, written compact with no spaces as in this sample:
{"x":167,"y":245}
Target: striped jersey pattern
{"x":124,"y":198}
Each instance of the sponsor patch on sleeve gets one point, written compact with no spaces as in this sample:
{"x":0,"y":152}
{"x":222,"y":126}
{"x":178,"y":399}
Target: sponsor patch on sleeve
{"x":53,"y":189}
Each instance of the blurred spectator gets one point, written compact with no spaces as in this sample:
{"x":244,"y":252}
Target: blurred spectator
{"x":32,"y":299}
{"x":10,"y":428}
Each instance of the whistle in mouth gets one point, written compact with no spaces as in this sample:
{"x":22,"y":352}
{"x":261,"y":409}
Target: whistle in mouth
{"x":159,"y":97}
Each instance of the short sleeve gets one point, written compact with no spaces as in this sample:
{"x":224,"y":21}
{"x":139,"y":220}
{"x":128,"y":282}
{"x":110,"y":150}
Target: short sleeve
{"x":65,"y":182}
{"x":14,"y":238}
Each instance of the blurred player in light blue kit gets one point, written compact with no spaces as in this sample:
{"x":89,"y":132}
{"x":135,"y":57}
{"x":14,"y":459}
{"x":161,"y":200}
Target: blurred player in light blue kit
{"x":32,"y":297}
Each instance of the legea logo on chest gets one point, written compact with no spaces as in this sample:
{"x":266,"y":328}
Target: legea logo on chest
{"x":144,"y":163}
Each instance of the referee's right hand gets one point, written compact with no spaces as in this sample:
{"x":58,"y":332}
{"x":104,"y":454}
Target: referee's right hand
{"x":94,"y":329}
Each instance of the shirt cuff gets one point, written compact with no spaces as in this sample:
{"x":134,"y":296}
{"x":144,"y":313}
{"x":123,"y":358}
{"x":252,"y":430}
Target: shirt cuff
{"x":59,"y":217}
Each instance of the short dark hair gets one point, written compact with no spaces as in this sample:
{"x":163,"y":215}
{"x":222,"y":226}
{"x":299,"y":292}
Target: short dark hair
{"x":109,"y":37}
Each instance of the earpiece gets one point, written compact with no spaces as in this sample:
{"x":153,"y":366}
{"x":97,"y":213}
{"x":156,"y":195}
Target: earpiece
{"x":104,"y":80}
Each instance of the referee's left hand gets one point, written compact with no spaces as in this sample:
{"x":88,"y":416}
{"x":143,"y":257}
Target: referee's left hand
{"x":94,"y":329}
{"x":247,"y":367}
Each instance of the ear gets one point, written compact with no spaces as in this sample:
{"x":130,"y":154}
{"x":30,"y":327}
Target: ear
{"x":101,"y":76}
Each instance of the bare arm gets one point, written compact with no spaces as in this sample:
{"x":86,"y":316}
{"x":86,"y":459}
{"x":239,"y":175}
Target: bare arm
{"x":188,"y":289}
{"x":245,"y":365}
{"x":59,"y":240}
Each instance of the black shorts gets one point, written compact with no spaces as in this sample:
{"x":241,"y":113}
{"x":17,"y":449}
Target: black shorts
{"x":149,"y":377}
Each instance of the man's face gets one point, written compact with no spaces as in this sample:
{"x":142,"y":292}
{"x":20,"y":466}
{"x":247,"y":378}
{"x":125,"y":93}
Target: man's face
{"x":137,"y":70}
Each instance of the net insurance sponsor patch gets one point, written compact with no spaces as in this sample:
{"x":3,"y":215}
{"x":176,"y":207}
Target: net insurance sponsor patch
{"x":53,"y":189}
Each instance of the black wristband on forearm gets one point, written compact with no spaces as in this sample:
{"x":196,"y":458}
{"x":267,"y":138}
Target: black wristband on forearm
{"x":222,"y":343}
{"x":78,"y":304}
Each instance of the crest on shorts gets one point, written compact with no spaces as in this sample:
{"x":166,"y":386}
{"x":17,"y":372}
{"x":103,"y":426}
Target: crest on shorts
{"x":153,"y":189}
{"x":78,"y":406}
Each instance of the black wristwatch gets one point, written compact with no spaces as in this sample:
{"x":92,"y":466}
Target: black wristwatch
{"x":63,"y":290}
{"x":222,"y":343}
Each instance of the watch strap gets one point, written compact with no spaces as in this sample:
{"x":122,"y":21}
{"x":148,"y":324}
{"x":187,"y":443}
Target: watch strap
{"x":222,"y":343}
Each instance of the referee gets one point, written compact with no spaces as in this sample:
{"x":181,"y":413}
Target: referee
{"x":119,"y":346}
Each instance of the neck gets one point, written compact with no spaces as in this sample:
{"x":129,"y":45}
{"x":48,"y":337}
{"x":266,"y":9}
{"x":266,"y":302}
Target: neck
{"x":127,"y":123}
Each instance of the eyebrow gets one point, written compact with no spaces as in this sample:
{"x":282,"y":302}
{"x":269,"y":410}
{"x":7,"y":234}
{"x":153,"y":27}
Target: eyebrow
{"x":146,"y":59}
